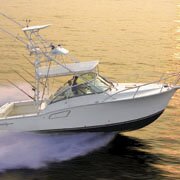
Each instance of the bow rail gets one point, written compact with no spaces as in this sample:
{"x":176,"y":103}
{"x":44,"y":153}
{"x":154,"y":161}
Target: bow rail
{"x":163,"y":81}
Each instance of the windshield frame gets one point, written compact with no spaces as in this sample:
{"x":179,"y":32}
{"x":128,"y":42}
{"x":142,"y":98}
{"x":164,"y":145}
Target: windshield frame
{"x":89,"y":87}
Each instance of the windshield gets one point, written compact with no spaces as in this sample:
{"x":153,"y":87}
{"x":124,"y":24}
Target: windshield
{"x":89,"y":83}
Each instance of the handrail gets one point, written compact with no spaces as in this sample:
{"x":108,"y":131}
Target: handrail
{"x":170,"y":75}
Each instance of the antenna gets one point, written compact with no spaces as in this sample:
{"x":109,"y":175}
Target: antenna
{"x":17,"y":37}
{"x":20,"y":89}
{"x":11,"y":19}
{"x":28,"y":22}
{"x":33,"y":87}
{"x":28,"y":60}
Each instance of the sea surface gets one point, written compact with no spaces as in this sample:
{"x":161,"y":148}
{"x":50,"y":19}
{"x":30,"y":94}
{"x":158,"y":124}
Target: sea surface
{"x":135,"y":41}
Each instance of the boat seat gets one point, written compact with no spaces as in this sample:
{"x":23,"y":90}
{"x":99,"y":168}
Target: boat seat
{"x":6,"y":109}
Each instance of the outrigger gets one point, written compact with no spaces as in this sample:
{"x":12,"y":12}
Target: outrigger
{"x":87,"y":101}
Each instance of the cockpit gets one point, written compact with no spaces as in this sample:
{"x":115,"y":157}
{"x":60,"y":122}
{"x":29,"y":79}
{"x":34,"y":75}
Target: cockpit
{"x":85,"y":84}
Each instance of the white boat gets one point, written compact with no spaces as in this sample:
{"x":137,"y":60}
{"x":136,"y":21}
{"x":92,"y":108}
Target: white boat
{"x":87,"y":101}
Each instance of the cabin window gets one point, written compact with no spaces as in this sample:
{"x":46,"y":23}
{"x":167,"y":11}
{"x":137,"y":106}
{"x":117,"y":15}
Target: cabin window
{"x":89,"y":83}
{"x":97,"y":83}
{"x":69,"y":93}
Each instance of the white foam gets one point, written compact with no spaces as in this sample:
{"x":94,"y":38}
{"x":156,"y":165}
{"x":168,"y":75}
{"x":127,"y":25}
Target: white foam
{"x":28,"y":150}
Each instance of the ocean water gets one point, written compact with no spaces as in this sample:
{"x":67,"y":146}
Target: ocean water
{"x":135,"y":41}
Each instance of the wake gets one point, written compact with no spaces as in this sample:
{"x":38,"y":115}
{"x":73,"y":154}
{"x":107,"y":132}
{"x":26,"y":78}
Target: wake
{"x":29,"y":150}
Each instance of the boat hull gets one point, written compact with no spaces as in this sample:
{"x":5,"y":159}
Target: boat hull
{"x":119,"y":127}
{"x":118,"y":115}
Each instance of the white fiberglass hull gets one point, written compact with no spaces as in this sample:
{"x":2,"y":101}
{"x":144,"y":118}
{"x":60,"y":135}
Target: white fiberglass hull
{"x":117,"y":115}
